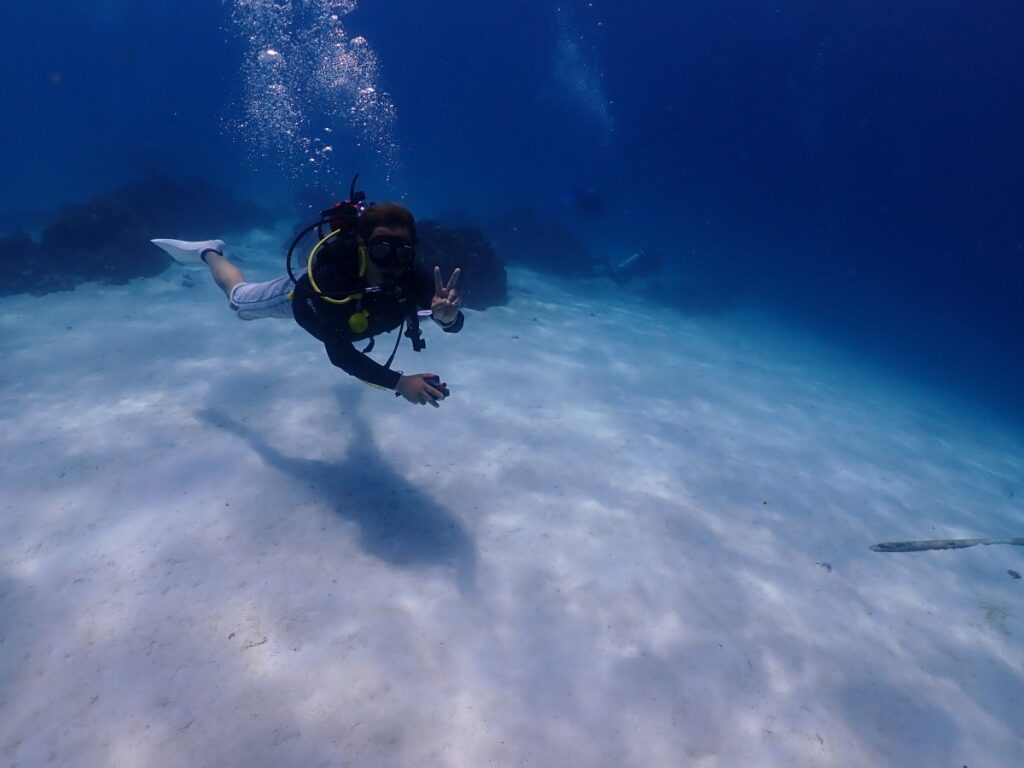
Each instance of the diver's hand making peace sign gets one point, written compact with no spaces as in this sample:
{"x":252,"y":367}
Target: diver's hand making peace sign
{"x":446,"y":302}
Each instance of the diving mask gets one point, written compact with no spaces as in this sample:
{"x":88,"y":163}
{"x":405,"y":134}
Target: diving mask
{"x":391,"y":254}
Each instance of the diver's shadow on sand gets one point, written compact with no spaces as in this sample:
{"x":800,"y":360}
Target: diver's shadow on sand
{"x":397,"y":522}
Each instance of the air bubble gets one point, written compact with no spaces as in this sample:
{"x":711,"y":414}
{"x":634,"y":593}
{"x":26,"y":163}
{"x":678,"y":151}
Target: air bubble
{"x":302,"y":64}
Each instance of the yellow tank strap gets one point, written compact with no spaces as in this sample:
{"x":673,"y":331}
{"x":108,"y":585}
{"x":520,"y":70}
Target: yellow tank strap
{"x":312,"y":281}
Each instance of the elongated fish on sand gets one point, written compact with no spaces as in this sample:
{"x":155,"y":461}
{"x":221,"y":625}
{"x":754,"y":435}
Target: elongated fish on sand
{"x":924,"y":546}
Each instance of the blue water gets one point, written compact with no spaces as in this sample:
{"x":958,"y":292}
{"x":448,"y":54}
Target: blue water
{"x":856,"y":167}
{"x":637,"y":534}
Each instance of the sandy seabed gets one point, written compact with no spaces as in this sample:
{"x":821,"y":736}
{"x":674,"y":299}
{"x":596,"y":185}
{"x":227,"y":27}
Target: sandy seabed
{"x":629,"y":538}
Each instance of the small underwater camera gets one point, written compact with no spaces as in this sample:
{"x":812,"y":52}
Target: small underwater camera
{"x":435,"y":382}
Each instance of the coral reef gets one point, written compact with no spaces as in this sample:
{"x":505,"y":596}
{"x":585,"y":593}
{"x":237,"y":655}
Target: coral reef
{"x":483,"y":282}
{"x":105,"y":238}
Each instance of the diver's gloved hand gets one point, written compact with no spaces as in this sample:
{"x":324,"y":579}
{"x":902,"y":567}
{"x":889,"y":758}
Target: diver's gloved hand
{"x":446,"y":302}
{"x":419,"y":389}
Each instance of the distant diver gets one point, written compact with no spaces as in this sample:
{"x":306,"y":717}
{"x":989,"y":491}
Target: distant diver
{"x":643,"y":263}
{"x":361,"y":279}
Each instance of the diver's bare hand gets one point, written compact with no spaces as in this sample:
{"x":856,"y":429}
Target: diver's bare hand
{"x":446,"y":302}
{"x":415,"y":389}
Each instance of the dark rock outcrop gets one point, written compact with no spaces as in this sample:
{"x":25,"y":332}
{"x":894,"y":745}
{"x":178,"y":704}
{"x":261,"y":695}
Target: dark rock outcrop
{"x":483,"y":282}
{"x":106,"y":238}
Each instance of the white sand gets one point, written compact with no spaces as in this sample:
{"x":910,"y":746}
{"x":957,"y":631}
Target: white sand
{"x":218,"y":550}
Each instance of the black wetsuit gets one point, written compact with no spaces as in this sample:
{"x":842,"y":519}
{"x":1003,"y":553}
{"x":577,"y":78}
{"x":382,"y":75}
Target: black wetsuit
{"x":337,"y":274}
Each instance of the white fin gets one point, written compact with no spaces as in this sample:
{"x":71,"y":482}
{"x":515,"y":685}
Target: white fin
{"x":189,"y":252}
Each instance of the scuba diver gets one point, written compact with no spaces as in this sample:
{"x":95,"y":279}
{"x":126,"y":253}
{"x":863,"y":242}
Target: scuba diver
{"x":643,"y":263}
{"x":360,"y":279}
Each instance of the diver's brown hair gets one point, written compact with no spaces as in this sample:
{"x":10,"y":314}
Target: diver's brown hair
{"x":386,"y":215}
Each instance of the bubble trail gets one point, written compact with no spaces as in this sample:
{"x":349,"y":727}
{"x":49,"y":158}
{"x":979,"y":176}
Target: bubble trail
{"x":579,"y":78}
{"x":302,"y":73}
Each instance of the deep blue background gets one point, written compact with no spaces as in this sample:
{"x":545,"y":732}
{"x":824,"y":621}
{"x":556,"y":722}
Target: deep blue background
{"x":857,"y":166}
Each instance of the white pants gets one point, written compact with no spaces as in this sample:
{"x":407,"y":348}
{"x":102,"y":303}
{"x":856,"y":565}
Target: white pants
{"x":273,"y":298}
